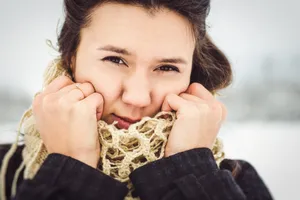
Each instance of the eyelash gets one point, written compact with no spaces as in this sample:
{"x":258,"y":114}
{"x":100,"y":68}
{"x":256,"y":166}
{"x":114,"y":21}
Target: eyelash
{"x":113,"y":60}
{"x":168,"y":68}
{"x":116,"y":60}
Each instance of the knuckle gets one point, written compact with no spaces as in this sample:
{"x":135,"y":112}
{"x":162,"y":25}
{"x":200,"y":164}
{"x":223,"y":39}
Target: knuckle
{"x":99,"y":97}
{"x":49,"y":102}
{"x":182,"y":95}
{"x":48,"y":99}
{"x":199,"y":86}
{"x":89,"y":86}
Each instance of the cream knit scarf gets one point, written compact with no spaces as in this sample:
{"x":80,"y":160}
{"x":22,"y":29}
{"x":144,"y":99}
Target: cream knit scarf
{"x":122,"y":151}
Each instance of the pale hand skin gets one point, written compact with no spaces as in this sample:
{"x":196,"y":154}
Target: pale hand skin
{"x":66,"y":118}
{"x":199,"y":118}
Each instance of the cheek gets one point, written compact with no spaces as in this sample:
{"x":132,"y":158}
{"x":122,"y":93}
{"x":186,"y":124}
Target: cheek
{"x":110,"y":89}
{"x":160,"y":91}
{"x":103,"y":83}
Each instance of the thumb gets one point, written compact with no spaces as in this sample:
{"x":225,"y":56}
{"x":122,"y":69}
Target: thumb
{"x":95,"y":101}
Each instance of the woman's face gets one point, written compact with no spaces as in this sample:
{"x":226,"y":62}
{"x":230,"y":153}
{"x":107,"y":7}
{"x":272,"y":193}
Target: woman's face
{"x":134,"y":59}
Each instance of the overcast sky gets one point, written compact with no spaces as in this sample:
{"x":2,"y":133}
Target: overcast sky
{"x":247,"y":31}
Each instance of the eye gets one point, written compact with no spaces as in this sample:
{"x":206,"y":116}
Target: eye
{"x":114,"y":59}
{"x":167,"y":68}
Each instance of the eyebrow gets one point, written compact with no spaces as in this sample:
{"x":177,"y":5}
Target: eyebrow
{"x":173,"y":60}
{"x":115,"y":49}
{"x":128,"y":53}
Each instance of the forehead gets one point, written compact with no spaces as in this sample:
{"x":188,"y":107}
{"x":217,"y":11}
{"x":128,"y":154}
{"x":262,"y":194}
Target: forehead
{"x":164,"y":32}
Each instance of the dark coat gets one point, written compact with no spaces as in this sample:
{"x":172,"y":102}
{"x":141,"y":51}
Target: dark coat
{"x":188,"y":175}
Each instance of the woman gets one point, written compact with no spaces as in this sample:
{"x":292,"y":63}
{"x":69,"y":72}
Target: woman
{"x":128,"y":60}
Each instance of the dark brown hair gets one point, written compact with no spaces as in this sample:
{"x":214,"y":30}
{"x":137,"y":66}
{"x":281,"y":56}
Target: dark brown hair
{"x":211,"y":68}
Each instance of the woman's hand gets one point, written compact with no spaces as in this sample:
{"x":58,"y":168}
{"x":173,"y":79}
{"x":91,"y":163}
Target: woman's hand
{"x":199,"y":118}
{"x":66,"y":116}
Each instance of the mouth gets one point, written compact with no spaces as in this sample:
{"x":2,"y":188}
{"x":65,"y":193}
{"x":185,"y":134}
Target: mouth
{"x":123,"y":122}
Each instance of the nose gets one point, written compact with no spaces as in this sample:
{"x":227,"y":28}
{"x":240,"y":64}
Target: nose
{"x":136,"y":91}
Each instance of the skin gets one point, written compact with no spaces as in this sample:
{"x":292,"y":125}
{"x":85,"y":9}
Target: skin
{"x":131,"y":64}
{"x":138,"y":85}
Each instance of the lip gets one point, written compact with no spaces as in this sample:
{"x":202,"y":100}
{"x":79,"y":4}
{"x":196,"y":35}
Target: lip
{"x":124,"y":122}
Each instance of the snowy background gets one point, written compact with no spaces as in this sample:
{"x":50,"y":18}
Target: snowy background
{"x":260,"y":37}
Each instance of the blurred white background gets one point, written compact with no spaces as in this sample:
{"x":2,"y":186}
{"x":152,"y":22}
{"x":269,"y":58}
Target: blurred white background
{"x":260,"y":37}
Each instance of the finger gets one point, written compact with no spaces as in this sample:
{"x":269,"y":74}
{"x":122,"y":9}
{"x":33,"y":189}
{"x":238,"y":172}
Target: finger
{"x":191,"y":98}
{"x":64,"y":91}
{"x":85,"y":88}
{"x":197,"y":100}
{"x":165,"y":106}
{"x":173,"y":102}
{"x":57,"y":84}
{"x":74,"y":95}
{"x":77,"y":92}
{"x":95,"y":102}
{"x":200,"y":91}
